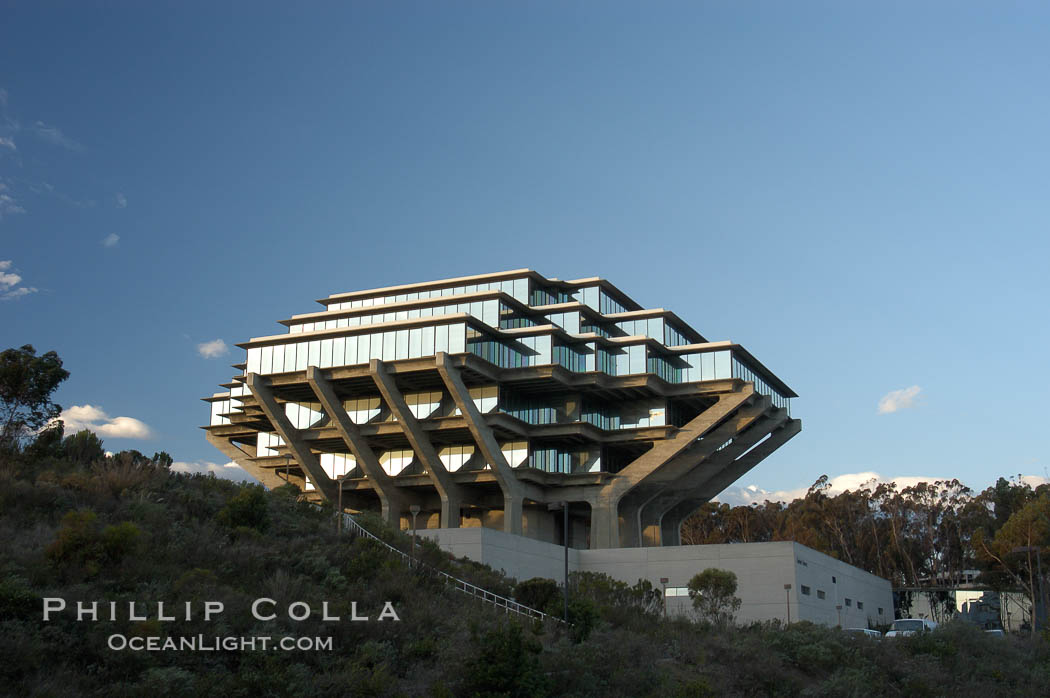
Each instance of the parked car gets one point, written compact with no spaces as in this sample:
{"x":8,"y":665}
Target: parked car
{"x":902,"y":627}
{"x":866,"y":632}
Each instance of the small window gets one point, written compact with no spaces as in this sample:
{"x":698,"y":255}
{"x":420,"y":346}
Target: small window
{"x":805,"y":590}
{"x":833,"y":580}
{"x":849,"y":602}
{"x":880,"y":610}
{"x":821,"y":594}
{"x":860,"y":605}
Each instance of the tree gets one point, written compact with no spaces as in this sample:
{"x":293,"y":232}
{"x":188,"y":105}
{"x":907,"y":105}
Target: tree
{"x":26,"y":384}
{"x":713,"y":592}
{"x":1027,"y":528}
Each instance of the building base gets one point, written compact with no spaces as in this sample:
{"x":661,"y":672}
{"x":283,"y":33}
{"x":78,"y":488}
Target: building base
{"x":823,"y":590}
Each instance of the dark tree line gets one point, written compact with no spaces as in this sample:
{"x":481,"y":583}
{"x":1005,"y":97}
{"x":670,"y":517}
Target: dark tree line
{"x":920,"y":536}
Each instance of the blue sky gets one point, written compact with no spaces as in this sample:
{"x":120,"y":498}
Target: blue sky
{"x":858,"y":195}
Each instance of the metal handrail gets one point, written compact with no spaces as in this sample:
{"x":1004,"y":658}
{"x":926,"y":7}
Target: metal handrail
{"x":510,"y":605}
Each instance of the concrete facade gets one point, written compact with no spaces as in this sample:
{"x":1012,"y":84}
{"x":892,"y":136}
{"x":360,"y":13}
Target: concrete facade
{"x":762,"y":570}
{"x":485,"y":400}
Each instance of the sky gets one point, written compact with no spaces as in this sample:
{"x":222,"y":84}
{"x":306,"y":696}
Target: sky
{"x":856,"y":193}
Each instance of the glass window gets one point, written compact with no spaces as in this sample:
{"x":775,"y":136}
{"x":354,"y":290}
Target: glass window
{"x":266,"y":360}
{"x":351,"y":352}
{"x":401,"y":344}
{"x":289,"y":357}
{"x":339,"y":351}
{"x":300,"y":356}
{"x":278,"y":359}
{"x":254,"y":360}
{"x":375,"y":350}
{"x":389,"y":345}
{"x":415,"y":343}
{"x":457,"y":337}
{"x":722,"y":365}
{"x":315,"y":353}
{"x":441,"y":339}
{"x":707,"y":366}
{"x":326,"y":354}
{"x":427,"y":348}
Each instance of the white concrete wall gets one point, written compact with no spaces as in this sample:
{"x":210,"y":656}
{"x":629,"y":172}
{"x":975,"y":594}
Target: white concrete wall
{"x":841,"y":582}
{"x":518,"y":556}
{"x":762,"y":570}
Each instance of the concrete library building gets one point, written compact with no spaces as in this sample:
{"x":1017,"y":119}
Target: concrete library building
{"x":508,"y":414}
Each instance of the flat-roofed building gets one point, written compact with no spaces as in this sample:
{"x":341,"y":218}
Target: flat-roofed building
{"x":485,"y":400}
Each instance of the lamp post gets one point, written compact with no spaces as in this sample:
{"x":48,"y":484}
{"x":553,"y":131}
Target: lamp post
{"x":663,"y":582}
{"x":564,"y":506}
{"x":414,"y":510}
{"x":787,"y":594}
{"x":339,"y":519}
{"x":1038,"y":608}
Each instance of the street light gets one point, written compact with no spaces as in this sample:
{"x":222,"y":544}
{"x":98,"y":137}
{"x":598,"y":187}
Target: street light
{"x":414,"y":510}
{"x":564,"y":506}
{"x":663,"y":581}
{"x":339,"y":519}
{"x":1038,"y":609}
{"x":787,"y":594}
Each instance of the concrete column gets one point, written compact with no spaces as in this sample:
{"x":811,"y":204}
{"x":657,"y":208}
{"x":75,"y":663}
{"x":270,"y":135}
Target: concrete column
{"x":605,"y":525}
{"x":514,"y":491}
{"x":703,"y":462}
{"x":450,"y":493}
{"x":692,"y":500}
{"x":611,"y":497}
{"x":302,"y":453}
{"x":392,"y":500}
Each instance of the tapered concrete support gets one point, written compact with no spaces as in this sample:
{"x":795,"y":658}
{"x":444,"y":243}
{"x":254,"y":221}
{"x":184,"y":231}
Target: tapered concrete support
{"x":610,"y":496}
{"x":450,"y":493}
{"x":605,"y":526}
{"x":266,"y":476}
{"x":392,"y":500}
{"x":707,"y":464}
{"x":692,"y":500}
{"x":514,"y":491}
{"x":302,"y":453}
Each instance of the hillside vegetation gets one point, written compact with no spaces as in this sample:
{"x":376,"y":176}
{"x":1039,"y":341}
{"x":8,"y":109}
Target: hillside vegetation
{"x":79,"y":525}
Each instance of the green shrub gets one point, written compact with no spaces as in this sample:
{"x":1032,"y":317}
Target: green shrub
{"x":539,"y":593}
{"x":248,"y":508}
{"x":506,"y":663}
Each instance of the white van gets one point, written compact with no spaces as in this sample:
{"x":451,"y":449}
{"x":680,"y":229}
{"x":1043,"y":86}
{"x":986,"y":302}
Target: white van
{"x":910,"y":626}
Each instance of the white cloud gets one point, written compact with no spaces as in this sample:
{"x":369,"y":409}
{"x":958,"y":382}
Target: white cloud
{"x":110,"y":240}
{"x":212,"y":349}
{"x":10,"y":287}
{"x":753,"y":494}
{"x":899,"y":399}
{"x":122,"y":201}
{"x":7,"y":143}
{"x":8,"y":205}
{"x":8,"y":280}
{"x":1034,"y":481}
{"x":94,"y":419}
{"x":228,"y":471}
{"x":54,"y":136}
